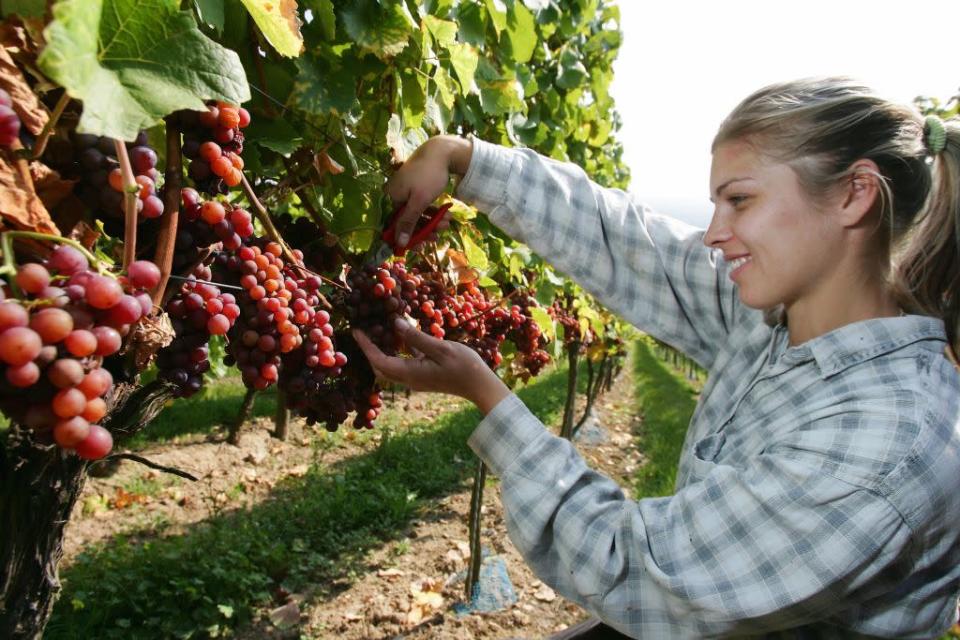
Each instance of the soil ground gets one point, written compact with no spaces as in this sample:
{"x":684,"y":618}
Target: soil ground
{"x":409,"y":586}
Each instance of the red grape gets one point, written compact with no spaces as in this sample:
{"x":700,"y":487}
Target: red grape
{"x":96,"y":383}
{"x":23,"y":376}
{"x":66,"y":260}
{"x":52,"y":325}
{"x":97,"y":444}
{"x":19,"y":345}
{"x":103,"y":292}
{"x":70,"y":432}
{"x":32,"y":277}
{"x":80,"y":343}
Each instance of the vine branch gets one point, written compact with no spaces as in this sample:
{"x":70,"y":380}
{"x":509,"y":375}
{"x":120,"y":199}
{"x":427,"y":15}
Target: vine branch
{"x":166,"y":239}
{"x":41,"y":144}
{"x":151,"y":464}
{"x":129,"y":204}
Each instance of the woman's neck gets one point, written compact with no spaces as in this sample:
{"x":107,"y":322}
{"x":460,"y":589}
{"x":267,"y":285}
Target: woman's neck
{"x":837,"y":304}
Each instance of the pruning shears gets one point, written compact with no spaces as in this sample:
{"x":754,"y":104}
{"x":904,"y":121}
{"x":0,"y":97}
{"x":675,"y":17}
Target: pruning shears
{"x":387,"y":245}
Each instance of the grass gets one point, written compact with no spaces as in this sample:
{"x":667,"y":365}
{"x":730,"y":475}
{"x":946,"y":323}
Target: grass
{"x":311,"y":531}
{"x":666,"y":401}
{"x":218,"y":403}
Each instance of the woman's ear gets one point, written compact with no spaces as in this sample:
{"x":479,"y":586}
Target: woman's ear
{"x":860,"y":193}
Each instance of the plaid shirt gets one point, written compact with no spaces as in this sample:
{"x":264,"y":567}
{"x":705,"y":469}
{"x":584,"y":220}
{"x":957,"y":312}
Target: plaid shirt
{"x":817,"y":492}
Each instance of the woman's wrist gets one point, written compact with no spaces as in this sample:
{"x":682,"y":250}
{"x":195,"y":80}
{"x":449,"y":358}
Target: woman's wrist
{"x":488,"y":391}
{"x":458,"y":152}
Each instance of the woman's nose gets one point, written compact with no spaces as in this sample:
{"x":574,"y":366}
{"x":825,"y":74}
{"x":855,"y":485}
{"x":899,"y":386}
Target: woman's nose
{"x":718,"y":232}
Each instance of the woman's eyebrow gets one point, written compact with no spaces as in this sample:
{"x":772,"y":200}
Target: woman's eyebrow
{"x":727,"y":184}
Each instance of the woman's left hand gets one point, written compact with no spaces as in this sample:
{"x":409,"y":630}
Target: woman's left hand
{"x":440,"y":365}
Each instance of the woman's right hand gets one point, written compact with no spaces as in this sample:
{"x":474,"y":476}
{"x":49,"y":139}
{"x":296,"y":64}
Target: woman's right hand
{"x":423,"y":177}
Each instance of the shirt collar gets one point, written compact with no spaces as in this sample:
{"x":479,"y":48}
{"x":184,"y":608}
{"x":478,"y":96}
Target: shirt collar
{"x":859,"y":341}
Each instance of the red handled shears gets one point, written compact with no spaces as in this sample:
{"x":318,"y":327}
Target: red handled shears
{"x":388,"y":244}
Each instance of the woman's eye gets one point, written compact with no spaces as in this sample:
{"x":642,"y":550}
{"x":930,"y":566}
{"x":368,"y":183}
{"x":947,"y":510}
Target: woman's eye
{"x":737,"y":200}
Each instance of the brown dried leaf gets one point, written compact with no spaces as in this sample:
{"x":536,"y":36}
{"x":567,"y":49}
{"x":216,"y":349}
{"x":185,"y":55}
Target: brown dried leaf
{"x":124,"y":499}
{"x":147,"y":338}
{"x":50,"y":187}
{"x":19,"y":204}
{"x":32,"y":114}
{"x":426,"y":599}
{"x":460,"y":267}
{"x":327,"y":164}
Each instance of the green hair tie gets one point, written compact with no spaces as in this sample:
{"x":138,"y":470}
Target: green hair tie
{"x":935,"y":135}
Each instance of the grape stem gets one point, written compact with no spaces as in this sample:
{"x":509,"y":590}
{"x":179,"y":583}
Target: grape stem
{"x":166,"y":238}
{"x":92,"y":259}
{"x":264,"y":217}
{"x":492,"y":307}
{"x":216,"y":284}
{"x":151,"y":464}
{"x":9,"y":264}
{"x":41,"y":144}
{"x":129,"y":204}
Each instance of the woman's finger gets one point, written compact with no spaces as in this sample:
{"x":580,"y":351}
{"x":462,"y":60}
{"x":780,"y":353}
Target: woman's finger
{"x":428,"y":345}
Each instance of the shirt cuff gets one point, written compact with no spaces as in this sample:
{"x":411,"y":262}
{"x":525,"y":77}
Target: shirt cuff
{"x":485,"y":183}
{"x":505,"y":434}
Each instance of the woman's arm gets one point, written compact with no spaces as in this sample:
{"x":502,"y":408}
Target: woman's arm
{"x":651,"y":269}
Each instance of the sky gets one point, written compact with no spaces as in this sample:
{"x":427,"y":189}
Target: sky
{"x":683,"y":66}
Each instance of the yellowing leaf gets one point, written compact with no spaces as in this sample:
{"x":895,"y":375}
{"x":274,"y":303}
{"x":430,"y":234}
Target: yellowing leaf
{"x":279,"y":23}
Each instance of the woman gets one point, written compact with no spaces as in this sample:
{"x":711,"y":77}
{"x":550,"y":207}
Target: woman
{"x":817,"y":490}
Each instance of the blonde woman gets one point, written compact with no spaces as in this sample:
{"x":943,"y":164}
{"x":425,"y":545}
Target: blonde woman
{"x":817,"y":492}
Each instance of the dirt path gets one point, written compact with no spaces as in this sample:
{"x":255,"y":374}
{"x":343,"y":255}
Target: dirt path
{"x":409,"y":585}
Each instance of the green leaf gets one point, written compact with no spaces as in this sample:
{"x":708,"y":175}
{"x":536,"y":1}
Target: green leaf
{"x":323,"y":10}
{"x":277,"y":135}
{"x":472,"y":19}
{"x":211,"y":13}
{"x":321,"y":87}
{"x":464,"y":59}
{"x":402,"y":141}
{"x":25,"y":8}
{"x":444,"y":32}
{"x":475,"y":255}
{"x":445,"y":87}
{"x":153,"y":61}
{"x":498,"y":15}
{"x":501,"y":96}
{"x":226,"y":610}
{"x":542,"y":318}
{"x":279,"y":23}
{"x":414,"y":98}
{"x":571,"y":72}
{"x":382,"y":30}
{"x":521,"y":33}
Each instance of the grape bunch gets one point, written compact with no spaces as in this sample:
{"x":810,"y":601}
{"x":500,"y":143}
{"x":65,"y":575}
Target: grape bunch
{"x":205,"y":223}
{"x":380,"y":295}
{"x":9,"y":121}
{"x":278,"y":315}
{"x":213,"y":141}
{"x":321,"y":253}
{"x":53,"y":339}
{"x":101,"y":180}
{"x":329,"y":399}
{"x":198,"y":310}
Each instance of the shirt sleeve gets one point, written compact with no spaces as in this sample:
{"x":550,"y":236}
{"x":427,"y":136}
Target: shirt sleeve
{"x":771,"y":547}
{"x":651,"y":269}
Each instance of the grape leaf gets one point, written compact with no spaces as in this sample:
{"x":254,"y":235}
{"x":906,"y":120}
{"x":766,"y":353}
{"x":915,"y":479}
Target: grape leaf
{"x":472,"y":21}
{"x":521,"y":33}
{"x":323,"y":10}
{"x":464,"y":59}
{"x":132,"y":62}
{"x":446,"y":90}
{"x":543,"y":319}
{"x":211,"y":12}
{"x":443,"y":31}
{"x":498,"y":15}
{"x":403,"y":142}
{"x":474,"y":253}
{"x":279,"y":23}
{"x":277,"y":135}
{"x":320,"y":87}
{"x":382,"y":30}
{"x":414,"y":99}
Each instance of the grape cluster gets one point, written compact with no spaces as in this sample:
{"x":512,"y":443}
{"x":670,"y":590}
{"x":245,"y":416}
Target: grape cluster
{"x":321,"y":253}
{"x":205,"y":223}
{"x":213,"y":141}
{"x":101,"y":180}
{"x":53,"y":339}
{"x":198,"y":310}
{"x":9,"y":121}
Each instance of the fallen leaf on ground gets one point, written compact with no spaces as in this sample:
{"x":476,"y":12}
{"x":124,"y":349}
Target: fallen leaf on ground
{"x":286,"y":616}
{"x":389,"y":573}
{"x":426,"y":599}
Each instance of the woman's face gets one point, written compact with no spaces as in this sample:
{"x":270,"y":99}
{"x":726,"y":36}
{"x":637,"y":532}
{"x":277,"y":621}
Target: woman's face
{"x":779,"y":246}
